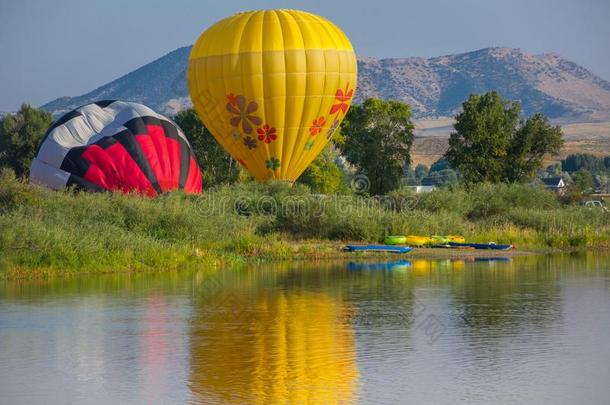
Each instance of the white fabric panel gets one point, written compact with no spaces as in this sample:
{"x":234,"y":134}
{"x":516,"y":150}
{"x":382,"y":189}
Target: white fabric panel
{"x":49,"y":176}
{"x":95,"y":123}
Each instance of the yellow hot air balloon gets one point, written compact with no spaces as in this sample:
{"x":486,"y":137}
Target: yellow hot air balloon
{"x":272,"y":86}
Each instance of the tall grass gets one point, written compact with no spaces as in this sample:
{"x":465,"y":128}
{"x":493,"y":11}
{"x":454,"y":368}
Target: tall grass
{"x":75,"y":232}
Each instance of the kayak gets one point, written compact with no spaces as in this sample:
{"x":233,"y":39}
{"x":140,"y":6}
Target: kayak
{"x":456,"y":238}
{"x":490,"y":245}
{"x":414,"y":240}
{"x":396,"y":265}
{"x":395,"y":240}
{"x":377,"y":248}
{"x":440,"y":239}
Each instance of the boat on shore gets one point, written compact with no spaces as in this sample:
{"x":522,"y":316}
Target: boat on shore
{"x":490,"y":246}
{"x":377,"y":248}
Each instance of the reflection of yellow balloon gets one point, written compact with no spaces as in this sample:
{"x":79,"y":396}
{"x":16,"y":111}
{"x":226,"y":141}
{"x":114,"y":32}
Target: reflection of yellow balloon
{"x":272,"y":86}
{"x":293,"y":348}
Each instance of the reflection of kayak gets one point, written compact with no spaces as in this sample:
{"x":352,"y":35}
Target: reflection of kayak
{"x":395,"y":240}
{"x":377,"y":248}
{"x":492,"y":246}
{"x":492,"y":259}
{"x":395,"y":265}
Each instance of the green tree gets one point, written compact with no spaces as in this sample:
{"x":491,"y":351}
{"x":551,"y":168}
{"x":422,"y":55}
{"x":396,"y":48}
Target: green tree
{"x":20,"y":135}
{"x":323,"y":175}
{"x":534,"y":138}
{"x":583,"y":180}
{"x":421,"y":171}
{"x":574,"y":162}
{"x":217,"y":166}
{"x":378,"y":138}
{"x":441,"y":164}
{"x":443,"y":177}
{"x":491,"y":143}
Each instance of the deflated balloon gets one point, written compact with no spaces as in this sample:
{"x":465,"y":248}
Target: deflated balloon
{"x":272,"y":86}
{"x":116,"y":145}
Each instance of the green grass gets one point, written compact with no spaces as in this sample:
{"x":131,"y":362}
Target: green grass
{"x":43,"y":232}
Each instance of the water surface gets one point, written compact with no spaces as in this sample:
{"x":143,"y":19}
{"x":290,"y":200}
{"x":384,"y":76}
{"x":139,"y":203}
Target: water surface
{"x":527,"y":330}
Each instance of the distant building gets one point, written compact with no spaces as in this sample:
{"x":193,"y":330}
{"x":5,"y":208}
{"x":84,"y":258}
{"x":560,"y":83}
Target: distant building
{"x":555,"y":184}
{"x":427,"y":184}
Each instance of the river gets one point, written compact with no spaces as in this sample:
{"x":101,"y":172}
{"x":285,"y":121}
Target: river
{"x":528,"y":330}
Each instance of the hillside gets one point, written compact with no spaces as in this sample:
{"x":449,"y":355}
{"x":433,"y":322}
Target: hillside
{"x":433,"y":87}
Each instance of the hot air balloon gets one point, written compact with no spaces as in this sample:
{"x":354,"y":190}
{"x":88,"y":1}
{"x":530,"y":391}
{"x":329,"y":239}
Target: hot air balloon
{"x":116,"y":145}
{"x":272,"y":86}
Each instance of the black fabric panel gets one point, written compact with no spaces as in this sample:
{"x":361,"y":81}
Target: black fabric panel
{"x":104,"y":103}
{"x":138,"y":125}
{"x":170,"y":130}
{"x":74,"y":163}
{"x":106,"y":142}
{"x":185,"y":151}
{"x":126,"y":138}
{"x":81,"y":184}
{"x":185,"y":160}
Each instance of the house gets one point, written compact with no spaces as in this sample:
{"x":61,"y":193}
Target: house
{"x":555,"y":184}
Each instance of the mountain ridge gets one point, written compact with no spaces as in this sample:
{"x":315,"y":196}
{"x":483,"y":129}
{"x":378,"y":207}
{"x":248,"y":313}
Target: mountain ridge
{"x":549,"y":83}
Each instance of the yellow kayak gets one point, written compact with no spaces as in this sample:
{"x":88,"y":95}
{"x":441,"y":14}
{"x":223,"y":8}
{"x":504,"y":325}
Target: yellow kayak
{"x":414,"y":240}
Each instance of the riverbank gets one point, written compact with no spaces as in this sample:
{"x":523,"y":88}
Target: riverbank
{"x":44,"y":233}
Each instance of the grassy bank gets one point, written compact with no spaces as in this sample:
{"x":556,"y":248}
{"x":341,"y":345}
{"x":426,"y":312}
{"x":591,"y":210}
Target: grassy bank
{"x":43,"y":232}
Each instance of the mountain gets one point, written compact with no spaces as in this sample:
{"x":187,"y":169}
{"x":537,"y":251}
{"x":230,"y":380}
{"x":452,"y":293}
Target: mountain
{"x":433,"y":87}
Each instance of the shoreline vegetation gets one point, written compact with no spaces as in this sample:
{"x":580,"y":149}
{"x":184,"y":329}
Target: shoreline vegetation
{"x":46,"y":233}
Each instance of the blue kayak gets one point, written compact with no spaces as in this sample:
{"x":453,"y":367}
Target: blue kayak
{"x":377,"y":248}
{"x":397,"y":265}
{"x":491,"y":246}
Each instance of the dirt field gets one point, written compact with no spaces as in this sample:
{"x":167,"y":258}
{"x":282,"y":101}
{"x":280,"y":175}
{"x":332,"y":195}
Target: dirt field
{"x":431,"y":140}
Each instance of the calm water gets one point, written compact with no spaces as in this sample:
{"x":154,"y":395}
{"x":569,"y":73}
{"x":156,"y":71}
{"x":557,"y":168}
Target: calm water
{"x":531,"y":330}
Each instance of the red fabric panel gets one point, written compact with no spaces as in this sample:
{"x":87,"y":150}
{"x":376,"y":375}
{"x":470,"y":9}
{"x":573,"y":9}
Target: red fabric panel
{"x":163,"y":154}
{"x":114,"y":169}
{"x":193,"y":181}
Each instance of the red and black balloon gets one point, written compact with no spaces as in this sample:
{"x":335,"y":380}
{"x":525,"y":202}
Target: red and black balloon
{"x":116,"y":146}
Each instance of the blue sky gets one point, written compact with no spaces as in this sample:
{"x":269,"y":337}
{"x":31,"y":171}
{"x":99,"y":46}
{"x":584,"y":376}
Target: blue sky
{"x":67,"y":47}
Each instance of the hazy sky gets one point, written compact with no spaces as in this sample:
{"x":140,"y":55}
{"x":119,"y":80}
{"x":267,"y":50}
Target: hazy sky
{"x":57,"y":48}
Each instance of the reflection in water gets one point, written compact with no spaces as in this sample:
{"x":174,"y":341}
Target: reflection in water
{"x":531,"y":330}
{"x":398,"y":265}
{"x":293,"y":346}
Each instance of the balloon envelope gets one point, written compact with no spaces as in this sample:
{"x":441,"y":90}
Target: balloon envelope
{"x":272,"y":86}
{"x":116,"y":145}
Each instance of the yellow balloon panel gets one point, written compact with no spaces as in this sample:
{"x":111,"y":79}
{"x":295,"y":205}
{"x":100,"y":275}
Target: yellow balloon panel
{"x":272,"y":86}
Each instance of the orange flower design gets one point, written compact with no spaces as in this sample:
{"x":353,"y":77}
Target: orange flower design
{"x":316,"y":126}
{"x":232,"y":99}
{"x":267,"y":133}
{"x":343,"y":98}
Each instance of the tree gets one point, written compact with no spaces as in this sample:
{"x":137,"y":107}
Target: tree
{"x":378,"y":138}
{"x":491,"y":143}
{"x":583,"y":180}
{"x":217,"y":166}
{"x":421,"y":171}
{"x":443,"y":177}
{"x":323,"y":175}
{"x":575,"y":162}
{"x":20,"y":135}
{"x":531,"y":141}
{"x":441,"y":164}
